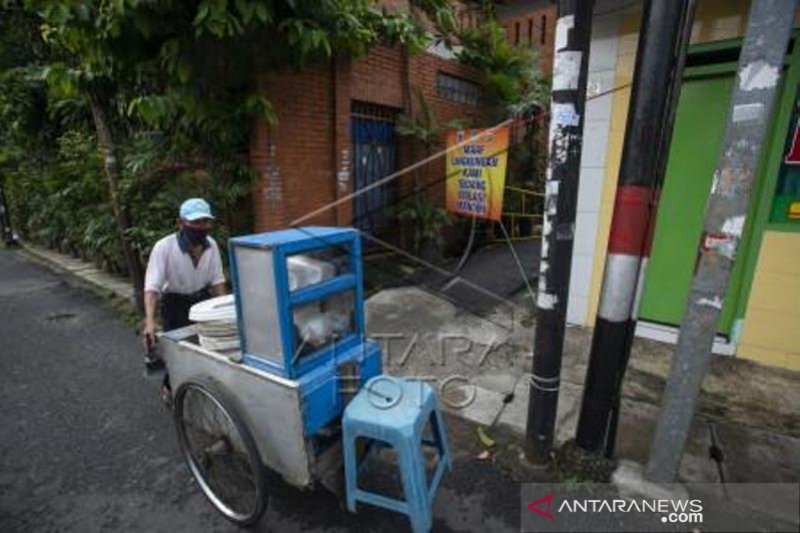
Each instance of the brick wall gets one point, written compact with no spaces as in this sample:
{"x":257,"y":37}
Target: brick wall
{"x":424,"y":70}
{"x":378,"y":78}
{"x":304,"y":162}
{"x":294,"y":159}
{"x":535,"y":27}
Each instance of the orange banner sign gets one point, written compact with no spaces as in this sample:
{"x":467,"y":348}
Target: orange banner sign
{"x":476,"y":172}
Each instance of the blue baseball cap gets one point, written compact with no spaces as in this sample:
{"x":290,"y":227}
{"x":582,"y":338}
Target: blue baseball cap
{"x":195,"y":209}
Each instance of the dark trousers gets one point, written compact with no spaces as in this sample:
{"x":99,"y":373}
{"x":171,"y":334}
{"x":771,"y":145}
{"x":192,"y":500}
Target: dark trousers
{"x":175,"y":311}
{"x":175,"y":308}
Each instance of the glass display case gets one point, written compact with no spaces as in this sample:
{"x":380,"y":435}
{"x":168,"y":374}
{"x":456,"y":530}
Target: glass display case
{"x":299,"y":297}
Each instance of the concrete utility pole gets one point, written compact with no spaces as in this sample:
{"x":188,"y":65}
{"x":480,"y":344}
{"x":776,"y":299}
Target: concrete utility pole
{"x":663,"y":37}
{"x":758,"y":74}
{"x":570,"y":71}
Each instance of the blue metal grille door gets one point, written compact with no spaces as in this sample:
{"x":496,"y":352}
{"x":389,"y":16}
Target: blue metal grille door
{"x":375,"y":157}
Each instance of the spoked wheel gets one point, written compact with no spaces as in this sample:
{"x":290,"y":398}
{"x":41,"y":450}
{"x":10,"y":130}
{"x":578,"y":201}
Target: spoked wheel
{"x":221,"y":452}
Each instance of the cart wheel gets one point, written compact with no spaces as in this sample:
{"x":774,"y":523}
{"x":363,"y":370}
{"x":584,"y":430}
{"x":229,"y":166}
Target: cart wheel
{"x":221,"y":452}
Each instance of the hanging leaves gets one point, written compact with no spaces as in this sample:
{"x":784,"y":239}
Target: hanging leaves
{"x":177,"y":80}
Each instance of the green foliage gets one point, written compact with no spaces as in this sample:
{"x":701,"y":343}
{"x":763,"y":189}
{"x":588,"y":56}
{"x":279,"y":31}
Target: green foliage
{"x":428,"y":220}
{"x":514,"y":86}
{"x":49,"y":159}
{"x":196,"y":61}
{"x":156,"y":179}
{"x":425,"y":127}
{"x":513,"y":83}
{"x":178,"y":81}
{"x":54,"y":204}
{"x":425,"y":216}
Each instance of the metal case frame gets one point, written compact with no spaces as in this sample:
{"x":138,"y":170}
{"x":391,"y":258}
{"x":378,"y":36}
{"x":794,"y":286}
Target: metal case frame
{"x":283,"y":244}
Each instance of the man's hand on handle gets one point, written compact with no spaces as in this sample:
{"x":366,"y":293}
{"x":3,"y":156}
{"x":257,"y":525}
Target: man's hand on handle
{"x":149,"y":331}
{"x":153,"y":363}
{"x":149,"y":335}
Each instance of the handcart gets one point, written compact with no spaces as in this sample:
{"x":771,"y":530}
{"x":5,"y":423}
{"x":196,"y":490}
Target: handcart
{"x":277,"y":401}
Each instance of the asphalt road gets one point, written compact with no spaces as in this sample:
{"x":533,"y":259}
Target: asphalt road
{"x":85,"y":444}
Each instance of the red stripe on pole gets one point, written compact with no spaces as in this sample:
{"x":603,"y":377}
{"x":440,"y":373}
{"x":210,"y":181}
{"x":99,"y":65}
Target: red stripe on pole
{"x":630,"y":222}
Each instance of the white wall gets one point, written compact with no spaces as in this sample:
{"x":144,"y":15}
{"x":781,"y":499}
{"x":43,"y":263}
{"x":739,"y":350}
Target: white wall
{"x":602,"y":68}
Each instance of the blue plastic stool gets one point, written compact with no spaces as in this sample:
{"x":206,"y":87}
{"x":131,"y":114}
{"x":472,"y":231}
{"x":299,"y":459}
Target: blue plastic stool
{"x":394,"y":411}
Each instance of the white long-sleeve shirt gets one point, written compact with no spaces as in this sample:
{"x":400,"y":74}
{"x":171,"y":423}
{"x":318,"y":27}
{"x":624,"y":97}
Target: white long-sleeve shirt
{"x":170,"y":269}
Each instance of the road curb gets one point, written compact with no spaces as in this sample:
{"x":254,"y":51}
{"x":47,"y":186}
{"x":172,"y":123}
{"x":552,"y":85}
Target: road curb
{"x":108,"y":286}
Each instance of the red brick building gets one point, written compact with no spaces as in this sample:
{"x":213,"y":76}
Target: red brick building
{"x":335,"y":134}
{"x":531,"y":22}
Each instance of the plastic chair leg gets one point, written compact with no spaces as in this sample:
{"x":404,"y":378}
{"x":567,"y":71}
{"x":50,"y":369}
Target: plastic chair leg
{"x":350,"y":469}
{"x":440,"y":435}
{"x":415,"y":488}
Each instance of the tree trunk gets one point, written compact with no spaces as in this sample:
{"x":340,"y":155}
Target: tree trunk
{"x":111,"y":166}
{"x":6,"y":232}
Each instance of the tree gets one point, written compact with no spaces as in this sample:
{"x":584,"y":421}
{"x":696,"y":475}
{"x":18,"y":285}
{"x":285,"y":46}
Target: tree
{"x":167,"y":85}
{"x":514,"y":86}
{"x":424,"y":128}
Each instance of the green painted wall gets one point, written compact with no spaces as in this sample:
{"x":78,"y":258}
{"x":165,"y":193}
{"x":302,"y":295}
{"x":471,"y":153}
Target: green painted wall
{"x":698,"y":133}
{"x":699,"y":128}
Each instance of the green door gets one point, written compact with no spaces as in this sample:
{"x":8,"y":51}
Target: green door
{"x":699,"y":127}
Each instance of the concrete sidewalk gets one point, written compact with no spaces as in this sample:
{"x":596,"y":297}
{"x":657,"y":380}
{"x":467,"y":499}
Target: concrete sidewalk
{"x":482,"y":365}
{"x":747,"y":413}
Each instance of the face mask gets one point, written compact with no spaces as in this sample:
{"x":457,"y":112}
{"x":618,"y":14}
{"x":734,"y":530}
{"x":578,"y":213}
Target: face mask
{"x":195,"y":236}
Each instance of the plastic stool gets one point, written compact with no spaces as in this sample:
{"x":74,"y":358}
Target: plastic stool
{"x":394,"y":411}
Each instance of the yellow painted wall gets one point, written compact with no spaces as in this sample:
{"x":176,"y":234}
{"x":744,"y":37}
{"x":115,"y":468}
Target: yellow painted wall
{"x":715,"y":20}
{"x":771,"y":333}
{"x":626,"y":57}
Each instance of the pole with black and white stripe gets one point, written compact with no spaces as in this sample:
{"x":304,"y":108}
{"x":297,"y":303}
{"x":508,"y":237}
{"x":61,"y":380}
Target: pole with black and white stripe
{"x":663,"y":37}
{"x":570,"y":72}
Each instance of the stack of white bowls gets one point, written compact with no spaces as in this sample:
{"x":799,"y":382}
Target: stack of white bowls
{"x":215,"y":322}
